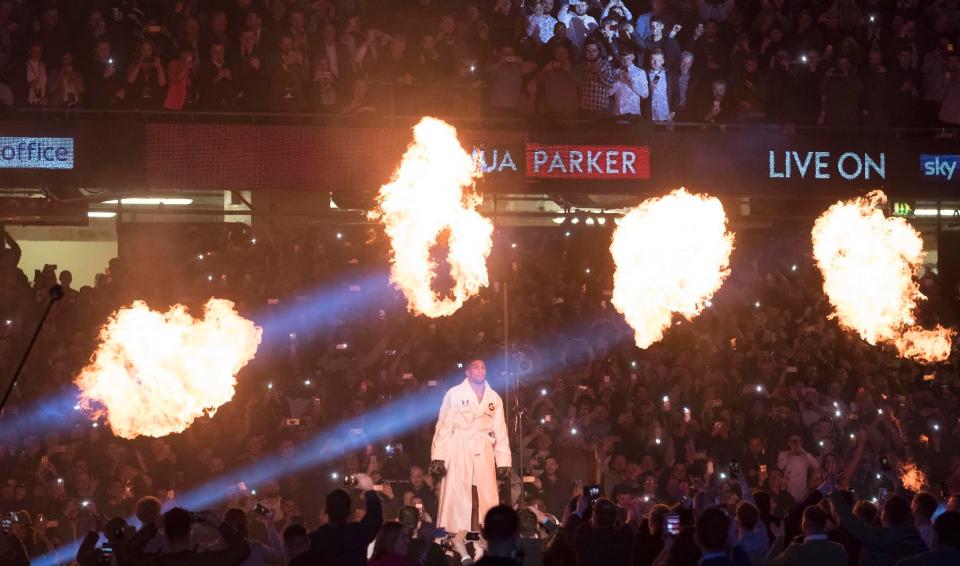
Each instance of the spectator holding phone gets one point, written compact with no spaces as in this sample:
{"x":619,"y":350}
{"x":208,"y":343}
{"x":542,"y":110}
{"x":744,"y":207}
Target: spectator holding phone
{"x":662,"y":89}
{"x":218,"y":89}
{"x":630,"y":88}
{"x":338,"y":542}
{"x":596,"y":76}
{"x":600,"y":541}
{"x":182,"y":90}
{"x":12,"y":551}
{"x":146,"y":80}
{"x":286,"y":93}
{"x":106,"y":86}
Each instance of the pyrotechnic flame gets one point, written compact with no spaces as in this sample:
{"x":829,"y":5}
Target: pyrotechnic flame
{"x":671,"y":255}
{"x":431,"y":193}
{"x":868,"y":263}
{"x":154,"y":373}
{"x":912,"y":477}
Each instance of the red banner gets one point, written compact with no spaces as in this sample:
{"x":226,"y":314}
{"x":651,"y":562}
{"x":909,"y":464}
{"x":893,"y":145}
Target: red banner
{"x":588,"y":161}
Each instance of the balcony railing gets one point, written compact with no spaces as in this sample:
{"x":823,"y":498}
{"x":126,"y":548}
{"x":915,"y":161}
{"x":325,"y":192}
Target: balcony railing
{"x":399,"y":105}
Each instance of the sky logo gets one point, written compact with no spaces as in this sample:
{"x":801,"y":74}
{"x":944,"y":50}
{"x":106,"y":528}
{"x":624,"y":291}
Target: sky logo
{"x":939,"y":166}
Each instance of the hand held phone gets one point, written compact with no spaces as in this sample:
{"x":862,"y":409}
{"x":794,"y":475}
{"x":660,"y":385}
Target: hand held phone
{"x":734,"y":468}
{"x":592,"y":492}
{"x":672,"y":524}
{"x":473,"y":535}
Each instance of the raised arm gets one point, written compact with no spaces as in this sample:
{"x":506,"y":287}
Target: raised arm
{"x":866,"y":535}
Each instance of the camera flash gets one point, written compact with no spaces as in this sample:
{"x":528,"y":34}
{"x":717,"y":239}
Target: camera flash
{"x":759,"y":388}
{"x":306,"y":382}
{"x":573,"y":431}
{"x":936,"y":427}
{"x":334,"y":475}
{"x":566,"y":234}
{"x":339,"y":236}
{"x":658,"y":441}
{"x":513,"y":245}
{"x":543,"y":392}
{"x":879,"y":476}
{"x":269,"y":386}
{"x":793,"y":267}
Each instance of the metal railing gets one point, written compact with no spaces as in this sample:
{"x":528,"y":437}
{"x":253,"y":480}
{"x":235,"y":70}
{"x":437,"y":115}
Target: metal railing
{"x":465,"y":106}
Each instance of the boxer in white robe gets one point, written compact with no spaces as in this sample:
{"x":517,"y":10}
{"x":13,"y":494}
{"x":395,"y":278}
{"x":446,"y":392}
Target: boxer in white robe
{"x":470,"y":449}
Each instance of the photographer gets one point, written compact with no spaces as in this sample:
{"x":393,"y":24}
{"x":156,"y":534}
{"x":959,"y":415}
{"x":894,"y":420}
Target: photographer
{"x":116,"y":531}
{"x":176,"y":527}
{"x":12,"y":550}
{"x":338,"y":542}
{"x":146,"y":80}
{"x":600,"y":541}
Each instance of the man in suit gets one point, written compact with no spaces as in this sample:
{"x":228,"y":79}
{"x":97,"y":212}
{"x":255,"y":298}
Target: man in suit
{"x":249,"y":77}
{"x":816,"y":548}
{"x":946,"y":543}
{"x":217,"y":88}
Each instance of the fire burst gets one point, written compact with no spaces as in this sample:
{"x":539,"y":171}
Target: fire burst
{"x":154,"y":373}
{"x":671,"y":255}
{"x":912,"y":477}
{"x":869,"y":263}
{"x":431,"y":195}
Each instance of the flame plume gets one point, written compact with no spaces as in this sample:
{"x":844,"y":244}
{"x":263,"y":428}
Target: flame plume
{"x":431,"y":195}
{"x":869,"y":263}
{"x":154,"y":373}
{"x":671,"y":255}
{"x":912,"y":477}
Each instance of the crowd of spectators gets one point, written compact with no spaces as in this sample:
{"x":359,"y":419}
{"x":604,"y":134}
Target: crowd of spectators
{"x":762,"y":377}
{"x":841,"y":63}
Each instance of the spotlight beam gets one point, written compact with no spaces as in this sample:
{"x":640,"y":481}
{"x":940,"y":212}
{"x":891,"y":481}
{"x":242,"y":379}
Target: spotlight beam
{"x":389,"y":420}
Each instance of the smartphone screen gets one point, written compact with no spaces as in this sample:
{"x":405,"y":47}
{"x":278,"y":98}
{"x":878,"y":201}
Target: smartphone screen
{"x":672,"y":526}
